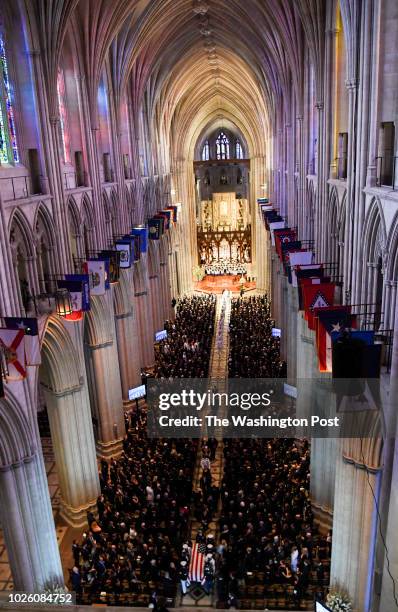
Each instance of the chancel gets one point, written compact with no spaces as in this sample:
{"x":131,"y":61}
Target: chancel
{"x":199,"y":193}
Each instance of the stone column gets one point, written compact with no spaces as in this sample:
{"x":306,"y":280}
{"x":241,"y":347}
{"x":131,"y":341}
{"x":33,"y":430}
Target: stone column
{"x":389,"y":527}
{"x":28,"y":525}
{"x":106,"y":396}
{"x":129,"y":353}
{"x":72,"y":436}
{"x":145,"y":327}
{"x":354,"y":526}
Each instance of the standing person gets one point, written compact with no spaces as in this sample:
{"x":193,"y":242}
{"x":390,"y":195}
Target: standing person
{"x":209,"y":573}
{"x":184,"y":580}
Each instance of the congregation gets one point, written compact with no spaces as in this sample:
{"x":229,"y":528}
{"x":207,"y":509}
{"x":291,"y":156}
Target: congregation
{"x":138,"y":549}
{"x":254,"y":351}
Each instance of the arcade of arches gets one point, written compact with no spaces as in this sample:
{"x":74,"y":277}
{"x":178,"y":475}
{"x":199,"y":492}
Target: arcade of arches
{"x":111,"y":111}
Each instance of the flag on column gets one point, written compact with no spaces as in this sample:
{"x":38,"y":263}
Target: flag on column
{"x":32,"y":343}
{"x":96,"y":270}
{"x":330,"y":320}
{"x":197,"y":562}
{"x":155,"y":228}
{"x":142,"y":232}
{"x":126,"y":250}
{"x":317,"y":296}
{"x":283,"y":236}
{"x":274,"y":225}
{"x":13,"y":343}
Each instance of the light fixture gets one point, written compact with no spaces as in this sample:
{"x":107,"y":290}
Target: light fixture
{"x":200,"y":7}
{"x":63,"y":302}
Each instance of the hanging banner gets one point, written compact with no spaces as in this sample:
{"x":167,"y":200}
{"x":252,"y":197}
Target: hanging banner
{"x":274,"y":225}
{"x":96,"y":270}
{"x":329,"y":321}
{"x":13,"y":343}
{"x":165,"y":221}
{"x":317,"y":296}
{"x":142,"y":232}
{"x":126,"y":250}
{"x":32,"y":343}
{"x":113,"y":258}
{"x":155,"y":225}
{"x":174,"y":211}
{"x":85,"y":280}
{"x":137,"y":248}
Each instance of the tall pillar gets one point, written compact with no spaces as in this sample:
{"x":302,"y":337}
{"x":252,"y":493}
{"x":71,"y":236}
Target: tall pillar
{"x":102,"y":363}
{"x":28,"y":525}
{"x":358,"y":472}
{"x":129,"y":354}
{"x":388,"y":594}
{"x":72,"y":436}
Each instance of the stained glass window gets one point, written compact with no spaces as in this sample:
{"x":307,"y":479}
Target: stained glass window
{"x":206,"y":151}
{"x":222,"y":146}
{"x":63,"y":122}
{"x":8,"y":137}
{"x":239,"y":150}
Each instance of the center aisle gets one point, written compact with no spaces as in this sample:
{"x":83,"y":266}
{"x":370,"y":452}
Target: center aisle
{"x":218,"y":377}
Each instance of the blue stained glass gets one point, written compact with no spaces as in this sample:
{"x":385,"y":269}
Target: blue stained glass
{"x":7,"y":137}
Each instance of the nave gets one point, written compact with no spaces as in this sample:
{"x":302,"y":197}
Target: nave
{"x":244,"y":503}
{"x":156,"y":150}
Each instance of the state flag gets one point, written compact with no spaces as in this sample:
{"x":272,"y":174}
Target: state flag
{"x":32,"y":342}
{"x":274,"y":225}
{"x":333,"y":319}
{"x":155,"y":225}
{"x":318,"y":295}
{"x":283,"y":236}
{"x":125,"y":248}
{"x":142,"y":232}
{"x":13,"y":344}
{"x":96,"y":270}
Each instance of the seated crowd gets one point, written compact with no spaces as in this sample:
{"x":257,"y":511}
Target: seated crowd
{"x":131,"y":552}
{"x":254,"y":352}
{"x":267,"y":537}
{"x":267,"y":552}
{"x":185,"y":352}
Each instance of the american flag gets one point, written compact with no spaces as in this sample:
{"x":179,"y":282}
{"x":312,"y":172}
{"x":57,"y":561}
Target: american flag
{"x":197,"y":562}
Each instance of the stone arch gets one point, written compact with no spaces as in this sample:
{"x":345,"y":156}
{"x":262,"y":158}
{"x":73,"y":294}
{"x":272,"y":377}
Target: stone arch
{"x":98,"y":323}
{"x":23,"y":254}
{"x":16,"y":436}
{"x":374,"y":258}
{"x":121,"y":296}
{"x":74,"y":223}
{"x":391,"y":276}
{"x":60,"y":371}
{"x":332,"y":227}
{"x":63,"y":382}
{"x":46,"y":248}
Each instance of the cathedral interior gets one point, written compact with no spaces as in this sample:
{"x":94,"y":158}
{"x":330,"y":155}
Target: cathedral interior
{"x":198,"y":189}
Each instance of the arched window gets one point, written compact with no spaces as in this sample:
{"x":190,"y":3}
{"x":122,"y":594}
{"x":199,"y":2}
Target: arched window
{"x":239,"y":150}
{"x":206,"y":151}
{"x":222,"y":146}
{"x":8,"y":138}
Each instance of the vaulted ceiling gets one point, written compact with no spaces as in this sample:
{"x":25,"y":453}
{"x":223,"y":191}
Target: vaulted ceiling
{"x":193,"y":60}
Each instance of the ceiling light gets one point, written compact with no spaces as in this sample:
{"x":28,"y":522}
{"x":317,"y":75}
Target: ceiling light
{"x":200,"y":7}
